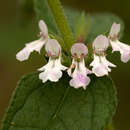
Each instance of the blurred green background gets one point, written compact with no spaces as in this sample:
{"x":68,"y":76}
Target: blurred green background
{"x":18,"y":26}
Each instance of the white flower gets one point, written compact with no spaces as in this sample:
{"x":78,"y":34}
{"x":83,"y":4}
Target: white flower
{"x":100,"y":65}
{"x":35,"y":45}
{"x":117,"y":45}
{"x":53,"y":69}
{"x":79,"y":75}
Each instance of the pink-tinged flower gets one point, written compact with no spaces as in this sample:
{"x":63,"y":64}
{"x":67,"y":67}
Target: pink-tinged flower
{"x":100,"y":65}
{"x":53,"y":69}
{"x":35,"y":45}
{"x":79,"y":75}
{"x":117,"y":45}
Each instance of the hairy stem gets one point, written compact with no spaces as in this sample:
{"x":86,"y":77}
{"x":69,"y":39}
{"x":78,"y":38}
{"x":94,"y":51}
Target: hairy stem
{"x":61,"y":22}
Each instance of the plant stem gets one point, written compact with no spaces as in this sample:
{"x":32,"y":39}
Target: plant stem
{"x":61,"y":22}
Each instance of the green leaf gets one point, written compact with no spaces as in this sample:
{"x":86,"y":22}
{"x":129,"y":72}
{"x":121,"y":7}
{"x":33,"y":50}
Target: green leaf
{"x":57,"y":106}
{"x":43,"y":12}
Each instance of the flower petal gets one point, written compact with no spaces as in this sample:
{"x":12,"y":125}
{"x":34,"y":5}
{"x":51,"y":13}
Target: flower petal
{"x":53,"y":47}
{"x":79,"y":76}
{"x":43,"y":28}
{"x":122,"y":48}
{"x":69,"y":71}
{"x":79,"y":49}
{"x":125,"y":57}
{"x":115,"y":29}
{"x":36,"y":45}
{"x":100,"y":70}
{"x":100,"y":43}
{"x":79,"y":80}
{"x":59,"y":65}
{"x":23,"y":54}
{"x":43,"y":76}
{"x":52,"y":70}
{"x":96,"y":61}
{"x":29,"y":48}
{"x":88,"y":71}
{"x":55,"y":75}
{"x":48,"y":66}
{"x":115,"y":46}
{"x":101,"y":66}
{"x":106,"y":62}
{"x":52,"y":75}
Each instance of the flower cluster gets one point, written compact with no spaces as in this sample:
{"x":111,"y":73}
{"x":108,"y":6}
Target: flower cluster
{"x":77,"y":71}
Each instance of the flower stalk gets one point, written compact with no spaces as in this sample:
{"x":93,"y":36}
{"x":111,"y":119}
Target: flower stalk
{"x":61,"y":22}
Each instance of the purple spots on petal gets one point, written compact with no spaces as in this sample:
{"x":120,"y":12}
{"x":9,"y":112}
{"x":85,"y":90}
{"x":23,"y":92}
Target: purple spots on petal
{"x":81,"y":78}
